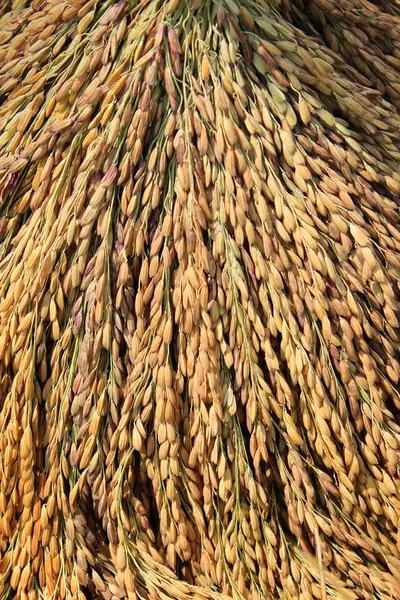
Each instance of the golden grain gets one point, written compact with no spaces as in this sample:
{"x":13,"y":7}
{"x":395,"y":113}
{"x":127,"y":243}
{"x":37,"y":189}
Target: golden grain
{"x":199,"y":304}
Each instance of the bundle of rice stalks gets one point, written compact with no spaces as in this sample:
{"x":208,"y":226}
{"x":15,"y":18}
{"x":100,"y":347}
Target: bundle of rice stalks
{"x":199,"y":300}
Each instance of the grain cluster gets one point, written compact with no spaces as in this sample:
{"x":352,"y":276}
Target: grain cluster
{"x":199,"y":300}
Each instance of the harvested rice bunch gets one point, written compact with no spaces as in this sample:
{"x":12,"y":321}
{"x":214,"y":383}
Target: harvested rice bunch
{"x":199,"y":301}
